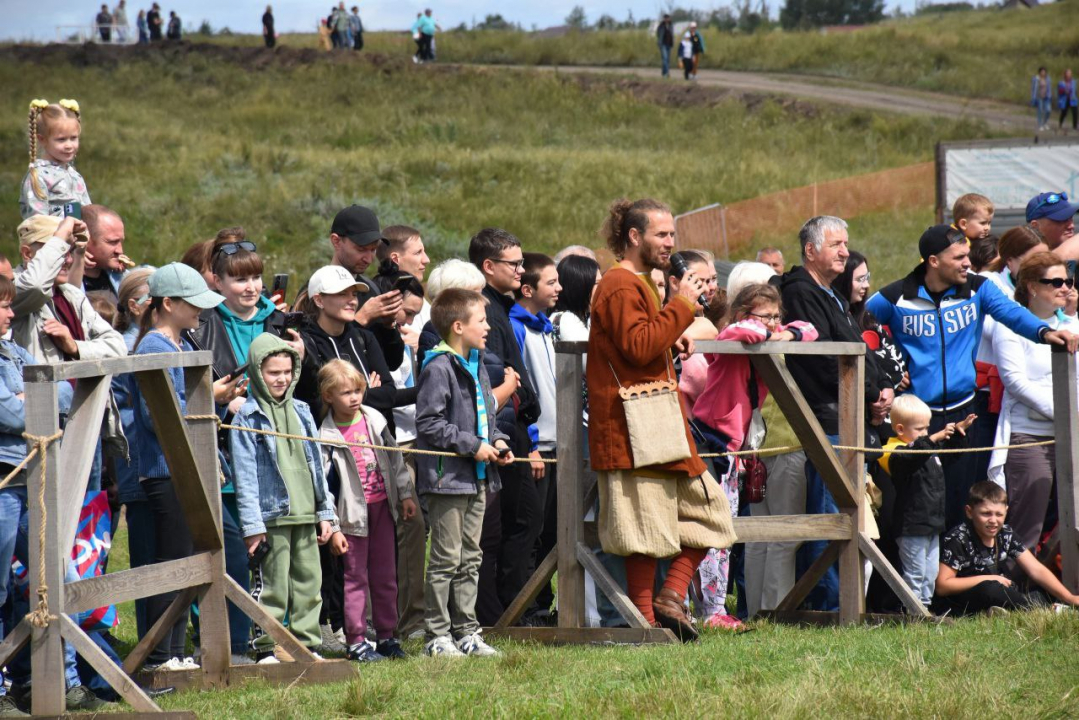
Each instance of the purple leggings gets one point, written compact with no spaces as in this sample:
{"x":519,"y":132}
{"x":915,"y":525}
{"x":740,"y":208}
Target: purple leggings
{"x":370,"y":567}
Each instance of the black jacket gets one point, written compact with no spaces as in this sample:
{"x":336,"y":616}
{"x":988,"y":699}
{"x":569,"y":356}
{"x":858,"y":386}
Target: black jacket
{"x":818,"y":375}
{"x":502,"y":343}
{"x":211,"y":335}
{"x":919,"y":486}
{"x":358,"y":346}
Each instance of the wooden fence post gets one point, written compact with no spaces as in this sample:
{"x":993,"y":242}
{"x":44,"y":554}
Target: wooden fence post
{"x":1066,"y":412}
{"x":852,"y":434}
{"x":571,"y":600}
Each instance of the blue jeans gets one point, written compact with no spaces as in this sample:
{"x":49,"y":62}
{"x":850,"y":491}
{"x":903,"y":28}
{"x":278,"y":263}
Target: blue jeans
{"x":236,"y":567}
{"x":920,"y":558}
{"x":665,"y":57}
{"x":1045,"y":111}
{"x":819,"y":501}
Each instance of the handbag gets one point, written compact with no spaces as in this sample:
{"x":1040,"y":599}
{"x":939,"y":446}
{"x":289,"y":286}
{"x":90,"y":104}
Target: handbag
{"x":754,"y":472}
{"x":657,"y":429}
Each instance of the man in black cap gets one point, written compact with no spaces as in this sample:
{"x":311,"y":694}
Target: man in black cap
{"x":935,"y":315}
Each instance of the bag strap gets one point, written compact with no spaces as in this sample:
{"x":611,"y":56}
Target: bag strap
{"x":754,"y":393}
{"x":668,"y":366}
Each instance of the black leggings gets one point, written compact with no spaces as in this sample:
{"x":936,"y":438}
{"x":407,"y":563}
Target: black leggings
{"x":1064,"y":113}
{"x":985,"y":595}
{"x":173,"y":539}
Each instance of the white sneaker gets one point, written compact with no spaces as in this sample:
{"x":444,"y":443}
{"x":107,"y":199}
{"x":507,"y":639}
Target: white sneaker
{"x":442,"y":647}
{"x":269,"y":660}
{"x":176,"y":664}
{"x":474,"y":645}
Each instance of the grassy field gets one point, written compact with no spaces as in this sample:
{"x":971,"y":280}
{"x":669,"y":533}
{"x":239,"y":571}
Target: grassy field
{"x":986,"y":53}
{"x":1014,"y":667}
{"x":183,"y":141}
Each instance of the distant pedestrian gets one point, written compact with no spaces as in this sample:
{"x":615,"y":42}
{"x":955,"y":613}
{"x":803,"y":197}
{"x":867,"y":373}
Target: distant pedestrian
{"x":104,"y":24}
{"x":355,"y":27}
{"x":154,"y":22}
{"x":143,"y":27}
{"x":325,"y":35}
{"x":1041,"y":97}
{"x":119,"y":21}
{"x":427,"y":28}
{"x":417,"y":37}
{"x":175,"y":28}
{"x":665,"y":41}
{"x":339,"y":26}
{"x":1067,"y":100}
{"x":268,"y":35}
{"x":689,"y":52}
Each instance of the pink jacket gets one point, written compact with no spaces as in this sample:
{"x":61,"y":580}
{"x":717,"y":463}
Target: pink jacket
{"x":724,"y":403}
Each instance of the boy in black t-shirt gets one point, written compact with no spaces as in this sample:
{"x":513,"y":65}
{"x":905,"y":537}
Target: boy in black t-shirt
{"x":981,"y":559}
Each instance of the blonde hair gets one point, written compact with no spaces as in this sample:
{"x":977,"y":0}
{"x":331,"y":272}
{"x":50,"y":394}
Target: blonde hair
{"x":909,"y":407}
{"x":42,"y":114}
{"x":966,"y":205}
{"x":337,"y":374}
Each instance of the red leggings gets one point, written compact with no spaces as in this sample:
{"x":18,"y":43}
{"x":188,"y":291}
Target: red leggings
{"x":641,"y":578}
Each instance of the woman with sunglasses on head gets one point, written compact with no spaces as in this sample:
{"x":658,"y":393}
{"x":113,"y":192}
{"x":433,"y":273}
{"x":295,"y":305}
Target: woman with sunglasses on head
{"x":1026,"y":415}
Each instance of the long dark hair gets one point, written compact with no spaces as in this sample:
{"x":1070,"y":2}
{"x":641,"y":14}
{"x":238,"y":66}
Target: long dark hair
{"x":845,"y":283}
{"x":577,"y":276}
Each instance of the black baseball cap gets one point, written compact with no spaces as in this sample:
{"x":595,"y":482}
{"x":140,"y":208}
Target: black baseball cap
{"x":939,"y":238}
{"x":358,"y":224}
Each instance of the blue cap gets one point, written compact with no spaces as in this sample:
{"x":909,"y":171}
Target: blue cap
{"x":177,"y":280}
{"x":1054,"y":206}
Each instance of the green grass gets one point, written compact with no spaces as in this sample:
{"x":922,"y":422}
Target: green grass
{"x":985,"y":53}
{"x":183,"y":142}
{"x":1014,"y":667}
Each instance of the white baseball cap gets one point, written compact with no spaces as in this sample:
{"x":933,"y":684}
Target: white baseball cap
{"x":333,"y":279}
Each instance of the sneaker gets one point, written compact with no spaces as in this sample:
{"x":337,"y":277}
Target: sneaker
{"x":339,"y":633}
{"x":362,"y":652}
{"x":391,"y":650}
{"x":174,"y":665}
{"x":240,"y":659}
{"x":330,"y":642}
{"x":416,"y":634}
{"x":475,"y":646}
{"x":723,"y":621}
{"x":8,"y":708}
{"x":442,"y":647}
{"x":82,"y":698}
{"x":266,"y":658}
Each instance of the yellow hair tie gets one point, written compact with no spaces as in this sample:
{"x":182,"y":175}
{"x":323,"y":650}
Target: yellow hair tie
{"x":39,"y":104}
{"x":71,"y":105}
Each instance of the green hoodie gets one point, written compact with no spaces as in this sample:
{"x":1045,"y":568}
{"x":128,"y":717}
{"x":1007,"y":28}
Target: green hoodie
{"x":241,"y":333}
{"x":291,"y":459}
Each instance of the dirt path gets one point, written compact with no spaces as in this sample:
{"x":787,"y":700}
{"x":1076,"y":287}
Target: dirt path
{"x":833,"y":90}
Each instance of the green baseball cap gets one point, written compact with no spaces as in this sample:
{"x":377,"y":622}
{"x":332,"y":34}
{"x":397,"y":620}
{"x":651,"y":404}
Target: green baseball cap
{"x":177,"y":280}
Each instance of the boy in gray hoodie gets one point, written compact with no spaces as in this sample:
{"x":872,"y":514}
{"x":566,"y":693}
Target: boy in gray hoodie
{"x":456,"y":413}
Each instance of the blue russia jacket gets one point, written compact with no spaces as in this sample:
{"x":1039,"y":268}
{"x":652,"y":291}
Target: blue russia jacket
{"x":940,"y":340}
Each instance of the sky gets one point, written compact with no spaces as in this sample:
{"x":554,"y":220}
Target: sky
{"x":38,"y":19}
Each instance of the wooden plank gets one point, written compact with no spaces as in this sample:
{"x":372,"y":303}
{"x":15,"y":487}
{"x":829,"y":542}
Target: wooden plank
{"x":213,"y":613}
{"x":76,"y":369}
{"x":1066,"y":427}
{"x":46,"y":653}
{"x":809,"y":578}
{"x":269,"y":624}
{"x":805,"y":425}
{"x":14,"y":641}
{"x":736,"y":348}
{"x":895,"y":581}
{"x":160,"y":629}
{"x":852,"y":434}
{"x":323,"y":671}
{"x":142,"y":582}
{"x":540,"y":578}
{"x":112,"y":673}
{"x":793,"y":528}
{"x":571,"y":601}
{"x":77,"y":449}
{"x":611,"y":589}
{"x":157,"y":391}
{"x":584,"y":635}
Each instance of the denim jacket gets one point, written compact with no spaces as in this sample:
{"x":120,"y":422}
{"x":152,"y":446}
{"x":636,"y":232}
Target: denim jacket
{"x":12,"y":411}
{"x":261,"y":494}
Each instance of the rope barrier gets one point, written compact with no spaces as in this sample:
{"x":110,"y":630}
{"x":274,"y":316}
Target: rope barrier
{"x":733,"y":453}
{"x":39,"y":617}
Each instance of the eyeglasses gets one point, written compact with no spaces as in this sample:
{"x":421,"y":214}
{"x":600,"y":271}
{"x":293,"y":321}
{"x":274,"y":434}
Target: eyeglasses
{"x":1058,"y":282}
{"x":231,"y":248}
{"x":1052,"y":199}
{"x":515,"y":264}
{"x":767,"y":318}
{"x":863,"y":279}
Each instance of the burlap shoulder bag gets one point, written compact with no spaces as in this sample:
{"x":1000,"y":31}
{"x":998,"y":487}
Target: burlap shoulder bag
{"x":657,"y":430}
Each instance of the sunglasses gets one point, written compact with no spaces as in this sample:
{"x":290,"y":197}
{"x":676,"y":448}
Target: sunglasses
{"x":1058,"y":282}
{"x":1051,"y":200}
{"x":231,"y":248}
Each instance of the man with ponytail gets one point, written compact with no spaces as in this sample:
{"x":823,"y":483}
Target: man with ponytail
{"x":676,"y":508}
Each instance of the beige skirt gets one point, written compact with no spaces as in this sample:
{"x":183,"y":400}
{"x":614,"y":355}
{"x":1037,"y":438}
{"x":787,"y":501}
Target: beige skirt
{"x":654,"y":517}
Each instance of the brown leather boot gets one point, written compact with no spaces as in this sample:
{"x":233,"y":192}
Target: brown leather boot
{"x":671,"y":613}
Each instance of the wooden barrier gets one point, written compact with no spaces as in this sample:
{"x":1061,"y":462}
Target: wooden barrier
{"x":191,"y":450}
{"x":842,"y":474}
